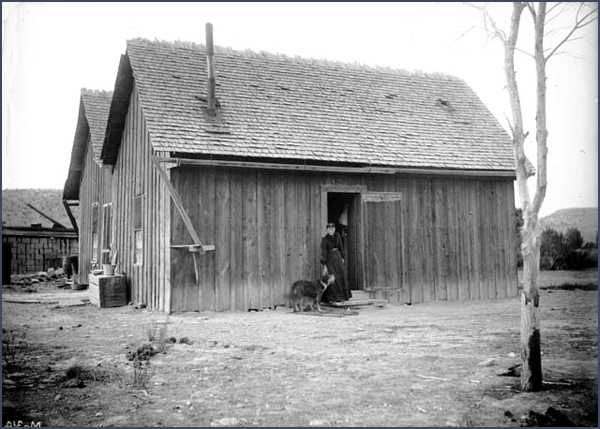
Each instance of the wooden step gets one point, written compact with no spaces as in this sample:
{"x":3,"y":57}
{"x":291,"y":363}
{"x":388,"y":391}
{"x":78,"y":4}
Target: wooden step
{"x":360,"y":295}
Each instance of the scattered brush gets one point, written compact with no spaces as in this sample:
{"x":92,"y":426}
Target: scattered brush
{"x":85,"y":373}
{"x":572,"y":287}
{"x":157,"y":334}
{"x":142,"y":374}
{"x":13,"y":347}
{"x":144,"y":352}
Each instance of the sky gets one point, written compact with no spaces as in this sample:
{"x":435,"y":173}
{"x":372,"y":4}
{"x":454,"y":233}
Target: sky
{"x":52,"y":50}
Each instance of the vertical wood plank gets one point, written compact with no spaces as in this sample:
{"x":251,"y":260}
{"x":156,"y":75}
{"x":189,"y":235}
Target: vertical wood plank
{"x":440,"y":223}
{"x":278,"y":249}
{"x":290,"y":266}
{"x":462,"y":232}
{"x":513,"y":242}
{"x":452,"y":263}
{"x":250,"y":241}
{"x":237,"y":250}
{"x":428,"y":261}
{"x":206,"y":177}
{"x":262,"y":213}
{"x":416,"y":252}
{"x":475,"y":285}
{"x":223,"y":218}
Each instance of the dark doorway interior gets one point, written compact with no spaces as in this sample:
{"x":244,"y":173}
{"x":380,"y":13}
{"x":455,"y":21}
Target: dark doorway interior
{"x":6,"y":263}
{"x":342,"y":209}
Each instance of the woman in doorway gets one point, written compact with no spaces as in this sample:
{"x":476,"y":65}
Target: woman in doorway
{"x":332,"y":257}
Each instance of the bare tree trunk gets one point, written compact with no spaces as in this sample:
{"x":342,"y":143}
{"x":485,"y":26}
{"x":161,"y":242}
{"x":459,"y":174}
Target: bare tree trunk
{"x":531,"y":371}
{"x":531,"y":358}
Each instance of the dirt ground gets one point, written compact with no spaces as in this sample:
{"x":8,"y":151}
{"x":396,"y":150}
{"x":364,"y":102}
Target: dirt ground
{"x":434,"y":364}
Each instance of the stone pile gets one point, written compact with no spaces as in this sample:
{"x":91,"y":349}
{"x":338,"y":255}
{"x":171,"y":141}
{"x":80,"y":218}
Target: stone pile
{"x":52,"y":275}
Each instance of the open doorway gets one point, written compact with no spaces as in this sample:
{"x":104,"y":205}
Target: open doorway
{"x":343,"y":210}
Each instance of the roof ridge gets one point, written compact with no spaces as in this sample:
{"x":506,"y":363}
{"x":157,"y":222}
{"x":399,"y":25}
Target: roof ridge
{"x":249,"y":53}
{"x":97,"y":92}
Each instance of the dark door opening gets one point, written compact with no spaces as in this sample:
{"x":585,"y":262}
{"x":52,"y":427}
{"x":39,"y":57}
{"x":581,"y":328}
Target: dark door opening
{"x":343,"y":209}
{"x":6,"y":263}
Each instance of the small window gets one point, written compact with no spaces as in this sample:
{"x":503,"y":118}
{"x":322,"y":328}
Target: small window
{"x":137,"y":230}
{"x":106,"y":232}
{"x":95,"y":237}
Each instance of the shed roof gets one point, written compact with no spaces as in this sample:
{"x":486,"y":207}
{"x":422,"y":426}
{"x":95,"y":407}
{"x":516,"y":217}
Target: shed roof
{"x":94,"y":106}
{"x":278,"y":107}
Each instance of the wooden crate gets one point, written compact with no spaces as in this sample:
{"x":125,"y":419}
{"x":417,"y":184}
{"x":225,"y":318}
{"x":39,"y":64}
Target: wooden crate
{"x":107,"y":291}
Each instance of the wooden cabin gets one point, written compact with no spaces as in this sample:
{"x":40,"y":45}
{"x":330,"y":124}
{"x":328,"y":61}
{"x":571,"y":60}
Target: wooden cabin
{"x":35,"y":232}
{"x":226,"y":166}
{"x":88,"y":183}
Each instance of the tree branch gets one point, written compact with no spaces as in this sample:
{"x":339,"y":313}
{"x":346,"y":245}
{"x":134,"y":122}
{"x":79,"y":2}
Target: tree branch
{"x":580,"y":23}
{"x":487,"y":17}
{"x":531,"y":9}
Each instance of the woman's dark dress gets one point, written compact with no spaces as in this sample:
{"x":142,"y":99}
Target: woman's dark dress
{"x":332,"y":253}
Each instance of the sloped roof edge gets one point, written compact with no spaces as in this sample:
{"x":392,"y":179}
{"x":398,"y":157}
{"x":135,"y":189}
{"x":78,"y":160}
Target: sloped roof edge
{"x":88,"y":112}
{"x":118,"y":112}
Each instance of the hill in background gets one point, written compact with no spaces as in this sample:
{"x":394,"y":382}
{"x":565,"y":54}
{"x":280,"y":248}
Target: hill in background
{"x":15,"y":211}
{"x":584,"y":219}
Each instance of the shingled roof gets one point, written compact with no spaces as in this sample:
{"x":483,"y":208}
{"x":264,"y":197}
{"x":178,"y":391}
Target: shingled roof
{"x":94,"y":108}
{"x":278,"y":107}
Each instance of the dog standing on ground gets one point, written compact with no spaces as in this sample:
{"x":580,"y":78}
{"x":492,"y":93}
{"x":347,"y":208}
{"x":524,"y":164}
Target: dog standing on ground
{"x":312,"y":290}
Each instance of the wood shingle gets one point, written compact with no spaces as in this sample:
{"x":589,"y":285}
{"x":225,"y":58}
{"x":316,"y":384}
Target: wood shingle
{"x":314,"y":111}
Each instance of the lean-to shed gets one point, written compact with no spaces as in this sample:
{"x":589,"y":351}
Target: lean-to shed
{"x":88,"y":183}
{"x":226,"y":166}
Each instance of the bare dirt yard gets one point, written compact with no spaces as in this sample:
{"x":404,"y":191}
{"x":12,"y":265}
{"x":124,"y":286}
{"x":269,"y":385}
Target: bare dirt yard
{"x":66,"y":363}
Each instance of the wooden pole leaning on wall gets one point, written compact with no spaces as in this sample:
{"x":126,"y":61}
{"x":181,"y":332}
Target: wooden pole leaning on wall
{"x":197,"y":247}
{"x":70,"y":214}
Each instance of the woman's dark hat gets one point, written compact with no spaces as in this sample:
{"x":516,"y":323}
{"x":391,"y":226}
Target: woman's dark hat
{"x":331,"y":225}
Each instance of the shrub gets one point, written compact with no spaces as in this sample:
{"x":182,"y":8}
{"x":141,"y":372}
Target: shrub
{"x":553,"y":250}
{"x":573,"y":239}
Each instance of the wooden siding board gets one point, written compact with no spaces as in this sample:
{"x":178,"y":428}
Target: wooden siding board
{"x":223,"y":217}
{"x":250,"y":242}
{"x":425,"y":202}
{"x":206,"y":231}
{"x":237,"y":263}
{"x":262,"y":240}
{"x":463,"y":251}
{"x":392,"y":226}
{"x":512,"y":232}
{"x":291,"y":271}
{"x":315,"y":225}
{"x":278,"y":225}
{"x":486,"y":241}
{"x":452,"y":264}
{"x":493,"y":225}
{"x":439,"y":225}
{"x":302,"y":219}
{"x":475,"y":245}
{"x":504,"y":232}
{"x":415,"y":246}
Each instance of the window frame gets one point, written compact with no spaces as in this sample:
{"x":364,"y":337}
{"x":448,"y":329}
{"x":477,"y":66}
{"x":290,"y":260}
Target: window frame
{"x":95,"y":237}
{"x":138,"y":229}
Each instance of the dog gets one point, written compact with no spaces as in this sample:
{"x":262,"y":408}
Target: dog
{"x":313,"y":290}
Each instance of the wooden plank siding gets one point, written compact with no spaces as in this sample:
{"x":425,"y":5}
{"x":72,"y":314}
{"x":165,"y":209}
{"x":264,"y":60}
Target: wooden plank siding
{"x":267,"y":225}
{"x":133,"y":175}
{"x":95,"y":189}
